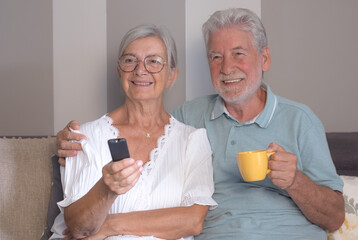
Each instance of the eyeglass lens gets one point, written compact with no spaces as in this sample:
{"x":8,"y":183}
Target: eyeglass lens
{"x":153,"y":64}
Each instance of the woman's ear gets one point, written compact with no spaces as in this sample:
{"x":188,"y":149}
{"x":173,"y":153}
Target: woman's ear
{"x":172,"y":76}
{"x":118,"y":71}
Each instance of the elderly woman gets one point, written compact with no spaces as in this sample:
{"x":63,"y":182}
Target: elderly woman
{"x":165,"y":188}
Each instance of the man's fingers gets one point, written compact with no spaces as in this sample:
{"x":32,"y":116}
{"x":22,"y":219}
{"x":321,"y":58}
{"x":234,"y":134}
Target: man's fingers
{"x":75,"y":125}
{"x":67,"y":141}
{"x":68,"y":135}
{"x":274,"y":147}
{"x":65,"y":135}
{"x":68,"y":149}
{"x":62,"y":161}
{"x":66,"y":145}
{"x":66,"y":153}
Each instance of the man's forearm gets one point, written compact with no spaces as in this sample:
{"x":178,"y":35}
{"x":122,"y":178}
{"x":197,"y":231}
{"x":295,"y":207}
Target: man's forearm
{"x":320,"y":205}
{"x":166,"y":223}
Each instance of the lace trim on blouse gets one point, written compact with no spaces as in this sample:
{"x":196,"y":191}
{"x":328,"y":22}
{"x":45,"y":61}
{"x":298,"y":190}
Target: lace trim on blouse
{"x":154,"y":153}
{"x":145,"y":181}
{"x":161,"y":142}
{"x":113,"y":130}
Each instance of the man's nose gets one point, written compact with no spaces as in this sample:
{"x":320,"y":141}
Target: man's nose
{"x":227,"y":65}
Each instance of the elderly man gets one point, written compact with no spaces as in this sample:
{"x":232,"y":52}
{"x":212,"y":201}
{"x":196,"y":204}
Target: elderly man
{"x":301,"y":197}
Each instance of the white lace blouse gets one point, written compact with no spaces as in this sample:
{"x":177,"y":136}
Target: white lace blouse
{"x":179,"y":172}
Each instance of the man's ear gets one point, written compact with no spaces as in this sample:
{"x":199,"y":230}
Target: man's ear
{"x":172,"y":76}
{"x":266,"y":59}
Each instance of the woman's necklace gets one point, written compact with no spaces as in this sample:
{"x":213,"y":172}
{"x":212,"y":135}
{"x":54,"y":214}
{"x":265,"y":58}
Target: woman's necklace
{"x":151,"y":130}
{"x":147,"y":132}
{"x":147,"y":135}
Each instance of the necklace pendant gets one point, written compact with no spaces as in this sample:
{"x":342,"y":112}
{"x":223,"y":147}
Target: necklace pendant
{"x":147,"y":135}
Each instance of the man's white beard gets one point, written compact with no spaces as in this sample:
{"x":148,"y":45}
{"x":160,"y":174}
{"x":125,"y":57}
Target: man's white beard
{"x":247,"y":94}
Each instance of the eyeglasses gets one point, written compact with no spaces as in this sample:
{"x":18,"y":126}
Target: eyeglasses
{"x":152,"y":63}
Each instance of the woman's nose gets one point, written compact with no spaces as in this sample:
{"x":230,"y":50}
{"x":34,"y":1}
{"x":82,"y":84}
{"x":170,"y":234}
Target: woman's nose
{"x":140,"y":69}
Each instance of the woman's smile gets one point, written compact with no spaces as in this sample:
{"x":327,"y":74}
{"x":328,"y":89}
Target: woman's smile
{"x":141,"y":83}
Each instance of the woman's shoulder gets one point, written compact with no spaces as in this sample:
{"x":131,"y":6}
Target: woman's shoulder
{"x":99,"y":127}
{"x":194,"y":139}
{"x":188,"y":130}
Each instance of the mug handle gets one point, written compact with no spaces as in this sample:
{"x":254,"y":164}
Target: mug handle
{"x":269,"y":155}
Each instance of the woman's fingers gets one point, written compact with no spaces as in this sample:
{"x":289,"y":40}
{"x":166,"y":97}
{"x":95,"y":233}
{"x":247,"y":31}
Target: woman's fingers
{"x":121,"y":176}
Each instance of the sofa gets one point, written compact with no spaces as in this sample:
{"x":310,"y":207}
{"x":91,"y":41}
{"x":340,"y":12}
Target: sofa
{"x":29,"y":168}
{"x":26,"y":177}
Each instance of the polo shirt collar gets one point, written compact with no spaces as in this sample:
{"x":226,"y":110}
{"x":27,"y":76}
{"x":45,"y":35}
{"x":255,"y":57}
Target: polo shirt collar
{"x":263,"y":119}
{"x":219,"y":108}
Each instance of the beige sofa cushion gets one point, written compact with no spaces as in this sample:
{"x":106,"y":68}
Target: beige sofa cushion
{"x":25,"y":176}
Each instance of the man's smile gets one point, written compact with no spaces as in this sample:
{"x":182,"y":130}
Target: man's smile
{"x":233,"y":80}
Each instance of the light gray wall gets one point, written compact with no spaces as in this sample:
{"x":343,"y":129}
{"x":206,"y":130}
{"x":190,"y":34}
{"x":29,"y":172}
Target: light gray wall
{"x":314,"y":56}
{"x":79,"y":61}
{"x":26,"y":103}
{"x":184,"y":19}
{"x":123,"y":15}
{"x":313,"y":47}
{"x":197,"y":12}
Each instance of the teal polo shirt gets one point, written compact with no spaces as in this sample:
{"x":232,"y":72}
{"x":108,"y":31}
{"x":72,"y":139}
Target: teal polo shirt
{"x":260,"y":210}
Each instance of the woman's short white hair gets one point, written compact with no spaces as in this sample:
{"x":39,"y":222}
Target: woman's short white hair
{"x":240,"y":18}
{"x":151,"y":30}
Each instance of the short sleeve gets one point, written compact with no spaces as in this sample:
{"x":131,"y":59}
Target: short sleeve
{"x":317,"y":163}
{"x":80,"y":174}
{"x":199,"y":183}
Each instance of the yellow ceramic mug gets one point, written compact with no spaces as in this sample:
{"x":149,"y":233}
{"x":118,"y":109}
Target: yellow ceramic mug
{"x":253,"y":165}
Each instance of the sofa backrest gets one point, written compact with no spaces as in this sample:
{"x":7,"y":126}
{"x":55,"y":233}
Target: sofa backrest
{"x":25,"y":176}
{"x":344,"y":151}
